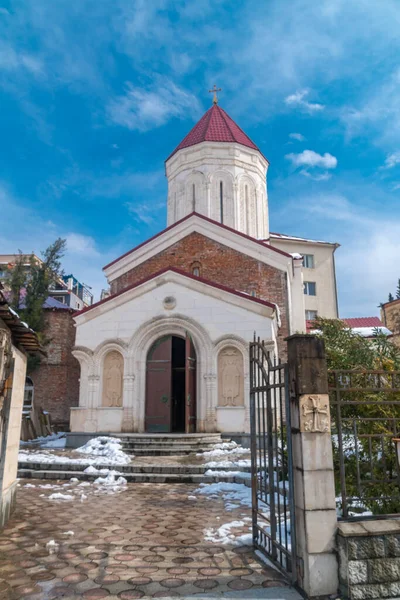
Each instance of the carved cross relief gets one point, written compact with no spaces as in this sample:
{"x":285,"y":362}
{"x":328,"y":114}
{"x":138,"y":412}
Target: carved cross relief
{"x":315,"y":413}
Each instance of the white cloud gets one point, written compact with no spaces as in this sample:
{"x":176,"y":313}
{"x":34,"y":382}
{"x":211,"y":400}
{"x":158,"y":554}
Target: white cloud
{"x":144,"y":109}
{"x":316,"y":176}
{"x":309,"y":158}
{"x":392,"y":160}
{"x":297,"y":136}
{"x":81,"y":244}
{"x":145,"y":212}
{"x":298,"y":100}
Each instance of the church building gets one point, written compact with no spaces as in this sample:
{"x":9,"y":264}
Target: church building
{"x":167,"y":351}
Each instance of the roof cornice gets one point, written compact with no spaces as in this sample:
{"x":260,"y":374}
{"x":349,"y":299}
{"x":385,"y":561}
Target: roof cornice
{"x":178,"y":276}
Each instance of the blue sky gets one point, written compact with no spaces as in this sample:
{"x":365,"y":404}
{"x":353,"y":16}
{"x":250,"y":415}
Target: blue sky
{"x":95,"y":95}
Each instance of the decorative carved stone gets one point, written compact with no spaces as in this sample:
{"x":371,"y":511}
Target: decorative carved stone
{"x":169,"y":302}
{"x":315,"y":414}
{"x":230,"y":377}
{"x":113,"y":371}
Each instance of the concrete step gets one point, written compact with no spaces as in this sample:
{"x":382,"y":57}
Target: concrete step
{"x":182,"y":443}
{"x":130,"y":477}
{"x":163,"y":451}
{"x":126,"y":469}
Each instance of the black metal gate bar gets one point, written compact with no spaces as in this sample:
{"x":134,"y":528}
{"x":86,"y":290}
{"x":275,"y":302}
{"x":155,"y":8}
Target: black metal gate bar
{"x":271,"y":460}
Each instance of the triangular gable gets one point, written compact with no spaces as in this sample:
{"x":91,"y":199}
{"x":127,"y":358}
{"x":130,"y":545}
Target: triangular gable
{"x":186,"y":279}
{"x":195,"y":222}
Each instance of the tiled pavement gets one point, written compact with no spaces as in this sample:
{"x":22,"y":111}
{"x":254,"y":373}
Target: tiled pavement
{"x":145,"y":542}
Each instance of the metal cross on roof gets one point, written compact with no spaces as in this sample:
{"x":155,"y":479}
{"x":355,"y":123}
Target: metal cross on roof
{"x":215,"y":91}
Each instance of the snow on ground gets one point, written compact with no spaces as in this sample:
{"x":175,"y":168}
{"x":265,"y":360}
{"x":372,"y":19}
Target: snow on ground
{"x":101,"y":450}
{"x":108,"y":484}
{"x":224,"y":449}
{"x":106,"y":447}
{"x":55,"y":440}
{"x":225,"y":474}
{"x":224,"y":535}
{"x":233,"y":494}
{"x":242,"y":462}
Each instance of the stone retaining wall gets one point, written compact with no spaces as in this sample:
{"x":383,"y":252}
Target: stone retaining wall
{"x":369,"y":559}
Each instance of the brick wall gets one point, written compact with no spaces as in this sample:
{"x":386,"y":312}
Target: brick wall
{"x":390,"y":316}
{"x":56,"y":380}
{"x":220,"y":264}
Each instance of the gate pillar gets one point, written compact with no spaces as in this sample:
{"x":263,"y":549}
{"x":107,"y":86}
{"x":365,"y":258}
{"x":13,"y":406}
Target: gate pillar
{"x":314,"y":486}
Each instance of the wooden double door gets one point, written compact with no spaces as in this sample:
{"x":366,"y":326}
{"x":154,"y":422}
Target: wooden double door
{"x":171,"y":386}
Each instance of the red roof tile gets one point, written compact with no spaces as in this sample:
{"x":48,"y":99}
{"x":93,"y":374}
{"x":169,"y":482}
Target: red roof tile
{"x":215,"y":126}
{"x":363,"y":322}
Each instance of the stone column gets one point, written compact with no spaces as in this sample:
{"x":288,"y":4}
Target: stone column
{"x":314,"y":487}
{"x":128,"y":420}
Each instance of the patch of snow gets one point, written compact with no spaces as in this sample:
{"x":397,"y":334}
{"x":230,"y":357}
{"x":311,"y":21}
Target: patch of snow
{"x":222,"y":535}
{"x":68,"y":533}
{"x":29,"y":485}
{"x":52,"y":547}
{"x":192,"y":498}
{"x":233,"y":494}
{"x":58,"y":496}
{"x":242,"y":462}
{"x":110,"y":480}
{"x":223,"y":449}
{"x":91,"y":470}
{"x":44,"y":440}
{"x":74,"y":480}
{"x":106,"y":447}
{"x":222,"y":474}
{"x":99,"y":451}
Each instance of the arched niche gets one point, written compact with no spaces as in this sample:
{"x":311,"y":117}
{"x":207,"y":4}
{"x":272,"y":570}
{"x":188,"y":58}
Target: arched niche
{"x":222,"y":204}
{"x":230,"y":377}
{"x":195,"y":193}
{"x":113,"y":373}
{"x":248,"y":206}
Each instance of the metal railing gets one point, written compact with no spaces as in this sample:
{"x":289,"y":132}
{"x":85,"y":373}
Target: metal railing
{"x":365,"y":414}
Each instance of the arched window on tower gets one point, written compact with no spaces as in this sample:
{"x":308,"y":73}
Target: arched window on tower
{"x":193,"y":197}
{"x":221,"y":200}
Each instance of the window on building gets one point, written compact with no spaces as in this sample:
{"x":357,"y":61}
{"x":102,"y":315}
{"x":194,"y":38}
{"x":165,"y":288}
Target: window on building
{"x":311,"y":315}
{"x":310,"y":288}
{"x":28,"y":395}
{"x":196,"y":269}
{"x":193,"y":197}
{"x":253,"y":293}
{"x":221,"y":200}
{"x":246,"y":209}
{"x":308,"y":261}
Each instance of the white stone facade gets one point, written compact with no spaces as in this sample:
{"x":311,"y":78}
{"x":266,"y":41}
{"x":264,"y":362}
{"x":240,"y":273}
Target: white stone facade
{"x":201,"y":175}
{"x":132,"y":321}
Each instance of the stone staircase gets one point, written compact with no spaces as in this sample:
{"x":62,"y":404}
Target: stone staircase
{"x":150,"y":471}
{"x":134,"y":473}
{"x":168,"y":444}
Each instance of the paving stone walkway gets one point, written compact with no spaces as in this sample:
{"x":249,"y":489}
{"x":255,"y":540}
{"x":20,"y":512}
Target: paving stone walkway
{"x":144,"y":542}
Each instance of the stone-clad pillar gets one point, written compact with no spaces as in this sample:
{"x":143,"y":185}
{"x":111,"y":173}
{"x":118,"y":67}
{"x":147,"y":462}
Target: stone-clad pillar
{"x":314,"y":487}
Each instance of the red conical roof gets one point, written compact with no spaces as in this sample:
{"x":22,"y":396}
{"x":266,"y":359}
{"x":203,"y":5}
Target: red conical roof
{"x":215,"y":126}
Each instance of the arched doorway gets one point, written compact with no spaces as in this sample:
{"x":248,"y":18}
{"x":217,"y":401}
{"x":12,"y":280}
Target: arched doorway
{"x":171,"y":386}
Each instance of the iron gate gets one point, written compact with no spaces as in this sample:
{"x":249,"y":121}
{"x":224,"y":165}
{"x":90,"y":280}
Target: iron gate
{"x":271,"y":460}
